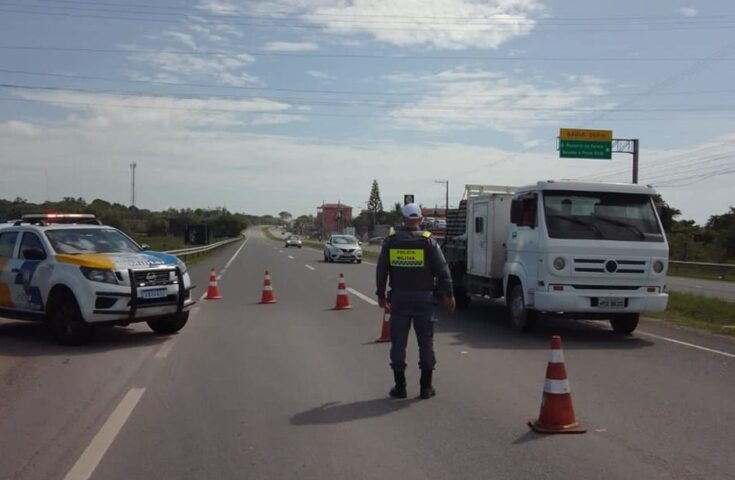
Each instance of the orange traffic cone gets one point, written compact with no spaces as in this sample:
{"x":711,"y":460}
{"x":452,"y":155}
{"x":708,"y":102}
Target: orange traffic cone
{"x":384,"y":329}
{"x":557,"y":412}
{"x":343,"y":300}
{"x":213,"y":290}
{"x":267,"y":296}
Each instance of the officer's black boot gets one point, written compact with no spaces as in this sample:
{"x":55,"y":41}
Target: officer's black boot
{"x":399,"y":391}
{"x":427,"y":391}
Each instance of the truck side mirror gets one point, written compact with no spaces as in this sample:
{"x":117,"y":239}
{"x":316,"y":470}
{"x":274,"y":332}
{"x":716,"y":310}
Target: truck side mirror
{"x":667,"y":218}
{"x":516,"y":211}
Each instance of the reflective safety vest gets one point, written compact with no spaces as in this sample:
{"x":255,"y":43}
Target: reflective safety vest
{"x":408,"y":262}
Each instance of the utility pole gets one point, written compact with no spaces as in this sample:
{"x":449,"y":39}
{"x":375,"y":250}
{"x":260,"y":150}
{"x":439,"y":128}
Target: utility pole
{"x":133,"y":166}
{"x":446,"y":197}
{"x":628,"y":145}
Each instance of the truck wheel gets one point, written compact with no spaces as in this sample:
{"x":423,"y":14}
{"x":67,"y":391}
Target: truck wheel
{"x":625,"y":323}
{"x":521,"y":318}
{"x":169,"y":324}
{"x":67,"y":323}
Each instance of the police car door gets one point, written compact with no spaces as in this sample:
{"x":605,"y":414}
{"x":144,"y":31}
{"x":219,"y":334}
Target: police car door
{"x":34,"y":270}
{"x":9,"y":267}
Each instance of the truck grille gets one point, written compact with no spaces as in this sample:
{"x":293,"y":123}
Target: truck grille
{"x":610,"y":266}
{"x":147,"y":278}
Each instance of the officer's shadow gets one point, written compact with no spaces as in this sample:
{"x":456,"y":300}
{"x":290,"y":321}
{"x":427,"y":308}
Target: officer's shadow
{"x":336,"y":412}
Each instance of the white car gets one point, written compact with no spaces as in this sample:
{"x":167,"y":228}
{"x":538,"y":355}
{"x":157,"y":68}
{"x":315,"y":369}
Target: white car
{"x":75,"y":273}
{"x":293,"y":241}
{"x":343,"y":248}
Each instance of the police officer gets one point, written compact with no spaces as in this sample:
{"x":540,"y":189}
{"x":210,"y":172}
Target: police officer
{"x":412,"y":259}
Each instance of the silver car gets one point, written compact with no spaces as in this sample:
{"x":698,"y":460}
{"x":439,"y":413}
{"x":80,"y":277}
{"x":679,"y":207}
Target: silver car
{"x":343,"y":248}
{"x":293,"y":241}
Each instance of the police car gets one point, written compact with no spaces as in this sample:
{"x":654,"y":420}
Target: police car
{"x":75,"y":273}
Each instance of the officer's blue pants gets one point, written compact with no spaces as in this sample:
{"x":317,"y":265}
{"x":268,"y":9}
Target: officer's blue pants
{"x":408,"y":308}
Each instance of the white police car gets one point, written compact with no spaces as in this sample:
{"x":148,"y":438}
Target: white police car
{"x":75,"y":273}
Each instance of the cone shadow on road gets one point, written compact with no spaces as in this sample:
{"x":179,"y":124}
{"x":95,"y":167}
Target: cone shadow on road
{"x":336,"y":412}
{"x":529,"y":436}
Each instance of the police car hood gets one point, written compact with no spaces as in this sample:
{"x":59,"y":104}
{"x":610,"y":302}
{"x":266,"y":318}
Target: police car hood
{"x":119,"y":261}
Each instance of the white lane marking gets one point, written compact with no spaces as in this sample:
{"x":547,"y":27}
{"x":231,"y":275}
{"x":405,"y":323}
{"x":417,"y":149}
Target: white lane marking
{"x":97,"y":448}
{"x":686,"y":344}
{"x":291,"y":257}
{"x":232,"y":259}
{"x":227,"y":265}
{"x":369,"y":263}
{"x":362,"y":296}
{"x":280,"y":251}
{"x":166,"y":348}
{"x":310,"y":267}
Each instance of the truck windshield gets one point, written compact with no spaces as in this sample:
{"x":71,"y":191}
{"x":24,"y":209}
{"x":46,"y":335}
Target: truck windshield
{"x":90,"y":240}
{"x":601,"y":215}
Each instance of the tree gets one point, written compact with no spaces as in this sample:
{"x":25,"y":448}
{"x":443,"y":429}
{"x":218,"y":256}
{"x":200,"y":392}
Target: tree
{"x":285,"y":216}
{"x":374,"y":205}
{"x":723,"y":230}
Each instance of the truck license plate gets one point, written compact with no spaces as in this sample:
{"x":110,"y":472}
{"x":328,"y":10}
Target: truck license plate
{"x":611,"y":302}
{"x":153,"y":293}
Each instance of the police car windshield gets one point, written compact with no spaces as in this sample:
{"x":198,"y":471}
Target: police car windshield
{"x":89,"y":240}
{"x":344,"y":240}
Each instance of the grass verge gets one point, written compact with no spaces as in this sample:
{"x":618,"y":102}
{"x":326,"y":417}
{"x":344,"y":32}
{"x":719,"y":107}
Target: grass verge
{"x":711,"y":314}
{"x":311,"y":243}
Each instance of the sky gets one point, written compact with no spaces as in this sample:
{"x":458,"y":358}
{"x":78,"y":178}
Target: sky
{"x":264,"y":106}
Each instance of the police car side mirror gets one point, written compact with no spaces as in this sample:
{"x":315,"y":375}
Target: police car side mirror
{"x":359,"y":243}
{"x":145,"y":247}
{"x":34,"y":254}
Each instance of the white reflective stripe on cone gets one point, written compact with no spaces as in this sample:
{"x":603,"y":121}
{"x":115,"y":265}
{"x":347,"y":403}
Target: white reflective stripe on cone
{"x":268,"y":288}
{"x":556,"y":356}
{"x":556,"y":386}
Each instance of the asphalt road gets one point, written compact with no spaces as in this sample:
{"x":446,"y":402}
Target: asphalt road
{"x":708,"y":288}
{"x":296,"y":390}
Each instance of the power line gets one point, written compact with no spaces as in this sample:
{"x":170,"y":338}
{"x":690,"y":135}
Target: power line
{"x":425,"y":106}
{"x":48,"y":48}
{"x":362,"y":26}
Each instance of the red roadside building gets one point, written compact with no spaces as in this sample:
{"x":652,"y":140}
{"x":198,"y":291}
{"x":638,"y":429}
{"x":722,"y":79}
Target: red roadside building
{"x":333,"y":218}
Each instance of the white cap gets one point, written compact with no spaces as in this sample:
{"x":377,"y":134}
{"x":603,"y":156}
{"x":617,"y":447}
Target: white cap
{"x":411,"y":210}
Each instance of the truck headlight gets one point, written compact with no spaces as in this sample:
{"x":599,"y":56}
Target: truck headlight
{"x":99,"y":275}
{"x":559,"y":263}
{"x":658,"y":266}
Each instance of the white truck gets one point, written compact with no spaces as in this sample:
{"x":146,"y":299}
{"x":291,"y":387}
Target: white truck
{"x":574,"y":249}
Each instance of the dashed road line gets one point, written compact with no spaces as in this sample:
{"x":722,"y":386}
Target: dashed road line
{"x":686,"y":344}
{"x":362,"y":296}
{"x":166,"y":348}
{"x":291,"y":257}
{"x":310,"y":267}
{"x":92,"y":455}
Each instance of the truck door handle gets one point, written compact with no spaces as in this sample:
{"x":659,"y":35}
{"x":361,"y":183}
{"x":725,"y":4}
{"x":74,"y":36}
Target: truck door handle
{"x":15,"y":270}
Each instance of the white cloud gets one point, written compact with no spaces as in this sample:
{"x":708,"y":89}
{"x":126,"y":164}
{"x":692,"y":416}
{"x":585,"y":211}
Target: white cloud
{"x":183,"y":38}
{"x":465,"y":98}
{"x":21,"y":129}
{"x":442,"y":24}
{"x":95,"y":112}
{"x":290,"y":46}
{"x":687,"y":11}
{"x":225,"y":69}
{"x":218,"y":7}
{"x":320,"y":75}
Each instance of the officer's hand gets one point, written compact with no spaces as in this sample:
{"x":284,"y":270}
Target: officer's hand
{"x":383,"y":303}
{"x":450,"y":304}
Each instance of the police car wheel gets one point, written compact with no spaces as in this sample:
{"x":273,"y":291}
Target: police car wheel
{"x":169,"y":324}
{"x":67,"y":324}
{"x":521,"y":318}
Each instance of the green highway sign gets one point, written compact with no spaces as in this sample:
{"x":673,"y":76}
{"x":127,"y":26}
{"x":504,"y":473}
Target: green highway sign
{"x":585,"y":149}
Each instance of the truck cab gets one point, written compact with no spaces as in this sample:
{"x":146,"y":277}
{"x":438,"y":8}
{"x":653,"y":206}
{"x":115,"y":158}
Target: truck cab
{"x":562,"y":248}
{"x":589,"y":250}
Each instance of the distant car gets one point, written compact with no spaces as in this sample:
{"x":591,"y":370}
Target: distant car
{"x":343,"y":248}
{"x":293,"y":241}
{"x":376,"y":240}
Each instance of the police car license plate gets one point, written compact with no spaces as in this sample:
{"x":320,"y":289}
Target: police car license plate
{"x":611,"y":302}
{"x":153,"y":293}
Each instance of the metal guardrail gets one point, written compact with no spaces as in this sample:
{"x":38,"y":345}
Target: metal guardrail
{"x":723,"y":269}
{"x":186,"y":252}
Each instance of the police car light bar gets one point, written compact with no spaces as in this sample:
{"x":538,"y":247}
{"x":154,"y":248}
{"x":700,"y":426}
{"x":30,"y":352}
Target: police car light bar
{"x":54,"y":216}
